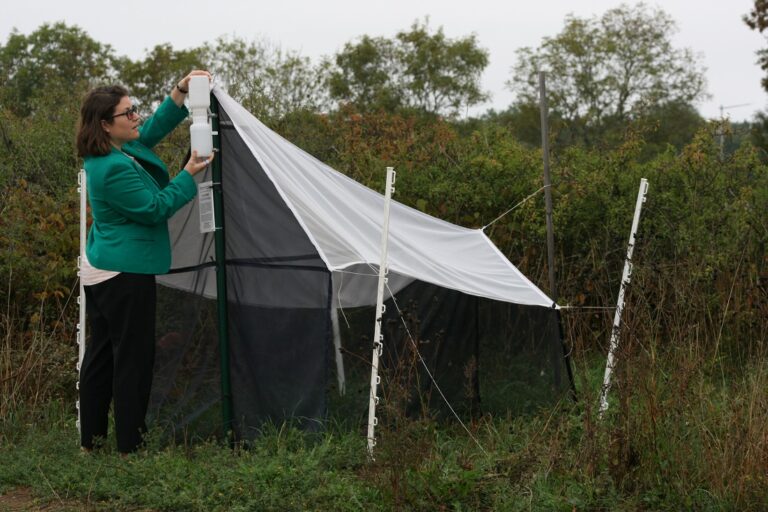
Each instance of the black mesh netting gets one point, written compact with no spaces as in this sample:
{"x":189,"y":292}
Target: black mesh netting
{"x":186,"y":386}
{"x":484,"y":355}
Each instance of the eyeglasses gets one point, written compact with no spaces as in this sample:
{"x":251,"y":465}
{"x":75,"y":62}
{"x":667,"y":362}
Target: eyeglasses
{"x":131,"y":113}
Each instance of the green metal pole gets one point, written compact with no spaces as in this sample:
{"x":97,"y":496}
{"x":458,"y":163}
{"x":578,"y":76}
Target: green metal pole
{"x":221,"y":273}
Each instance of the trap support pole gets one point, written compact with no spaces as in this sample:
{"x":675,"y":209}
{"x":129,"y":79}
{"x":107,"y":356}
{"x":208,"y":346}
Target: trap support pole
{"x":221,"y":274}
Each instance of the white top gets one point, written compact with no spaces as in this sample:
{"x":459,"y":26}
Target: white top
{"x":90,"y":275}
{"x":343,"y":220}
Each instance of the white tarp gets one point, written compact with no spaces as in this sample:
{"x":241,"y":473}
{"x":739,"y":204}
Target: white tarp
{"x":343,"y":219}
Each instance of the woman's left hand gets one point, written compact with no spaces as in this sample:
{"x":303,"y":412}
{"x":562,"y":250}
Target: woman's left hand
{"x":177,"y":94}
{"x":184,"y":83}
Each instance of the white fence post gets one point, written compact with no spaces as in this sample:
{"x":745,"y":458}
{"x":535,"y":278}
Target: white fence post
{"x":81,"y":297}
{"x":378,"y":337}
{"x":625,"y":278}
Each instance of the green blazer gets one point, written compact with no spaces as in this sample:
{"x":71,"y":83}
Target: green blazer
{"x":132,"y":199}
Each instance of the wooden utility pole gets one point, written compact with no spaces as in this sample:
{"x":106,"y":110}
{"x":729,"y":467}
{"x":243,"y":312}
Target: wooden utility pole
{"x":547,"y":185}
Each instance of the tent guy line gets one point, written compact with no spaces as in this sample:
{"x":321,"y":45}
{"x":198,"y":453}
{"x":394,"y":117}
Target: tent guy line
{"x":415,"y":348}
{"x":426,"y":368}
{"x":413,"y":343}
{"x":518,"y":204}
{"x":588,"y":307}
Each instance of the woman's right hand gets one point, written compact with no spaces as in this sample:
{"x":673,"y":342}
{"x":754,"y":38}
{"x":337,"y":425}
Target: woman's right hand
{"x":196,"y":164}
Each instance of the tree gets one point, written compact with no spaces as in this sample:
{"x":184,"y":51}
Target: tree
{"x":757,"y":19}
{"x":54,"y":59}
{"x":267,"y":80}
{"x":673,"y":123}
{"x":523,"y":121}
{"x":417,"y":70}
{"x":758,"y":134}
{"x":151,"y":79}
{"x":366,"y":75}
{"x":441,"y":75}
{"x":605,"y":71}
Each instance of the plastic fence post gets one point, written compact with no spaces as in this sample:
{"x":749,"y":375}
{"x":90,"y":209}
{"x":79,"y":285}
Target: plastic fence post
{"x":378,"y":338}
{"x":625,"y":278}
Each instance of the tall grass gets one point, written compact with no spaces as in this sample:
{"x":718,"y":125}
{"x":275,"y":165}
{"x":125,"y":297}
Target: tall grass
{"x":685,"y":430}
{"x":37,"y":364}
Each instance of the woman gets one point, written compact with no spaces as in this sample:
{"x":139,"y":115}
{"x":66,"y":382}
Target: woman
{"x":131,"y":198}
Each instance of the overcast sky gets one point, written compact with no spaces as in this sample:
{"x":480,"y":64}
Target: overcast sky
{"x":711,"y":28}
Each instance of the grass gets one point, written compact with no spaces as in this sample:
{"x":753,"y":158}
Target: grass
{"x":284,"y":471}
{"x":705,"y":452}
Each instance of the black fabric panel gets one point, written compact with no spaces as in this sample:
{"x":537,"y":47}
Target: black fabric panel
{"x":258,"y":223}
{"x":279,"y":357}
{"x":277,"y":287}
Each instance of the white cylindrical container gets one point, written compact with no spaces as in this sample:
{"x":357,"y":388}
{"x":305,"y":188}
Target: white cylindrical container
{"x":200,"y":131}
{"x":201,"y":139}
{"x":199,"y":92}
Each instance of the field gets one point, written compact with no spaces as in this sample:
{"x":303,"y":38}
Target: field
{"x":686,"y":428}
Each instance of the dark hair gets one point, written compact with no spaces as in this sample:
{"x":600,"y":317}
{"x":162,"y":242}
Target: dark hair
{"x":98,"y":106}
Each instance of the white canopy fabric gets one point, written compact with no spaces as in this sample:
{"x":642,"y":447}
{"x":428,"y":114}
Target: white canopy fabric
{"x":343,"y":219}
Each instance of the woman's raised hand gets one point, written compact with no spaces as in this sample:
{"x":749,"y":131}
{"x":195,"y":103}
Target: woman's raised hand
{"x":179,"y":92}
{"x":184,"y":83}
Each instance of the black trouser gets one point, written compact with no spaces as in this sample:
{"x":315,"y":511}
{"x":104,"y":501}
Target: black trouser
{"x":118,"y":359}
